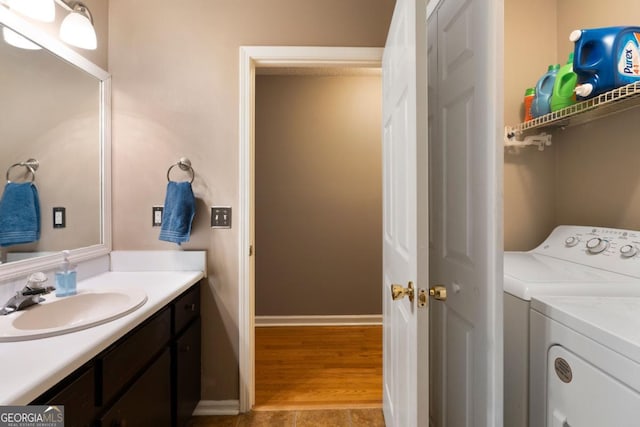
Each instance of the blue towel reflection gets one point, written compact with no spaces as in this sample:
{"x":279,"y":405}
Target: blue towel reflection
{"x":19,"y":214}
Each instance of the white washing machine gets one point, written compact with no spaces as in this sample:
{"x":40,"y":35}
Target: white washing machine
{"x":573,"y":260}
{"x":585,"y":364}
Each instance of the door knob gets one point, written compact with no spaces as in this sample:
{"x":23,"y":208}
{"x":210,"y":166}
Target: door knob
{"x":438,"y":292}
{"x":399,"y":292}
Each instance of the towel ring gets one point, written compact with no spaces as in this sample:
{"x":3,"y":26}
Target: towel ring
{"x":31,"y":165}
{"x":185,"y":165}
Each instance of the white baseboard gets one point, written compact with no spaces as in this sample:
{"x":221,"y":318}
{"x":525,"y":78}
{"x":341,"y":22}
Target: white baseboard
{"x":354,"y":320}
{"x":217,"y":407}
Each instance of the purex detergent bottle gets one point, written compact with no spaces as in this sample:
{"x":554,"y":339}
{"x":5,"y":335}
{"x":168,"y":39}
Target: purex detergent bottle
{"x":605,"y":58}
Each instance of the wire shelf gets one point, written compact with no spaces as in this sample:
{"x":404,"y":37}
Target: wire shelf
{"x":614,"y":101}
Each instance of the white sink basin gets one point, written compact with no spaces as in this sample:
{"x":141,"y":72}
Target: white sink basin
{"x":57,"y":316}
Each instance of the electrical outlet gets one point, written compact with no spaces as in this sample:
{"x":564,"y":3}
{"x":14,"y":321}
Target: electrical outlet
{"x":59,"y":217}
{"x":220,"y":217}
{"x":156,"y":220}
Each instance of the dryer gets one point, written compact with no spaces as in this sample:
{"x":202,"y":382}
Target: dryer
{"x":573,"y":260}
{"x":585,"y":364}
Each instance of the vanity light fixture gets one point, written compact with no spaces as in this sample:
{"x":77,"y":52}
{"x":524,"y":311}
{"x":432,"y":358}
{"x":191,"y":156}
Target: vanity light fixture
{"x":16,"y":40}
{"x":41,"y":10}
{"x":77,"y":27}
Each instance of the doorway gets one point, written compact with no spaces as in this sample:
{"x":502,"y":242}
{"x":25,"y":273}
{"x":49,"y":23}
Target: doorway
{"x":318,"y":216}
{"x":269,"y":57}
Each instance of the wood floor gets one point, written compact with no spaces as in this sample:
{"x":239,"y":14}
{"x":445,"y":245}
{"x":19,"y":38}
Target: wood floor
{"x":318,"y":367}
{"x":308,"y":418}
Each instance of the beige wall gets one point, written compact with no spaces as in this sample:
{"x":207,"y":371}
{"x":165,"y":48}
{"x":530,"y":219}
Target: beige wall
{"x":529,"y":176}
{"x":589,"y":175}
{"x":318,"y":195}
{"x":598,"y":176}
{"x":175,"y":81}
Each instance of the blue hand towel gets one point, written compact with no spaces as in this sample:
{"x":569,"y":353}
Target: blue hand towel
{"x":19,"y":214}
{"x":179,"y":209}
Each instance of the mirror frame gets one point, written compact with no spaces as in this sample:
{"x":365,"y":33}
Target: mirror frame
{"x":56,"y":47}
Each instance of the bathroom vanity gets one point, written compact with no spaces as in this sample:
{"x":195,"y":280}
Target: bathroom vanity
{"x":140,"y":369}
{"x":151,"y":376}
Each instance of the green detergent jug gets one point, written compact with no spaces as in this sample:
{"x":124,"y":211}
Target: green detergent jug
{"x":563,"y":94}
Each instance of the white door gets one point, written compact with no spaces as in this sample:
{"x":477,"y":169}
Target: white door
{"x":465,"y":177}
{"x":405,"y":218}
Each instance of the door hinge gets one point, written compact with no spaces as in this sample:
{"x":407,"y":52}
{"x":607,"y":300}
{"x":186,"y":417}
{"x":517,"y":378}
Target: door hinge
{"x":250,"y":250}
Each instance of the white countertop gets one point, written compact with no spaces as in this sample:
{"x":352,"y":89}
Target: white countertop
{"x":29,"y":368}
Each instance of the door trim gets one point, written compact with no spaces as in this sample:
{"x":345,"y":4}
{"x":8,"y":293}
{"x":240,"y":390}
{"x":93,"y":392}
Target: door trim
{"x":252,"y":57}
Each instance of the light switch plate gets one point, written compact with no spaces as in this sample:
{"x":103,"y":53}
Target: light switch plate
{"x":156,"y":219}
{"x":59,"y":217}
{"x":220,"y":217}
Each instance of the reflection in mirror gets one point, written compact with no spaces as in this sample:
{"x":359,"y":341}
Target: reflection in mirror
{"x":52,"y":111}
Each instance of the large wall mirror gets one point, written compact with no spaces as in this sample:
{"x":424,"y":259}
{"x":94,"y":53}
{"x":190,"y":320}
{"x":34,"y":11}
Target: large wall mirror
{"x":55,"y":110}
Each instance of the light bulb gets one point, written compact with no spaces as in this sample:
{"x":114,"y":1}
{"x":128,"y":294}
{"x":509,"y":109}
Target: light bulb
{"x":16,"y":40}
{"x":42,"y":10}
{"x":77,"y":30}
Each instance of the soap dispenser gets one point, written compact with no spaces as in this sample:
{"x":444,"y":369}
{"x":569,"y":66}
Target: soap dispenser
{"x":66,"y":277}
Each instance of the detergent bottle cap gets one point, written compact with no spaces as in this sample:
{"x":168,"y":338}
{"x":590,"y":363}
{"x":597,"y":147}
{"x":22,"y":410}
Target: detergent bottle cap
{"x":575,"y":35}
{"x":530,"y":91}
{"x":584,"y":89}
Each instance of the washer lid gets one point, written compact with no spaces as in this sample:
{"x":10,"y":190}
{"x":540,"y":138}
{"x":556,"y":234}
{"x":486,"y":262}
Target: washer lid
{"x":531,"y":267}
{"x":612,"y":321}
{"x":527,"y":274}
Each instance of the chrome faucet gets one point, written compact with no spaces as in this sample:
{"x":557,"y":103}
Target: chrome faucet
{"x":29,"y":295}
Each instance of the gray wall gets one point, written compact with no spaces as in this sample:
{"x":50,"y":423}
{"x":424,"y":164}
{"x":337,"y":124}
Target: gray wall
{"x":318,"y":195}
{"x":175,"y":93}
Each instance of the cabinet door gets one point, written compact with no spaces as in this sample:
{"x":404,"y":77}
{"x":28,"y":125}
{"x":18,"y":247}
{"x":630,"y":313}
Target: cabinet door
{"x":147,"y":402}
{"x":129,"y":356}
{"x":187,"y":373}
{"x":186,"y":308}
{"x":78,"y":399}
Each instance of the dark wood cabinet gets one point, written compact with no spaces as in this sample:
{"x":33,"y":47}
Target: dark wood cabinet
{"x":147,"y":402}
{"x":187,"y":373}
{"x":186,"y":309}
{"x":123,"y":361}
{"x":185,"y":348}
{"x":77,"y":394}
{"x":151,"y":376}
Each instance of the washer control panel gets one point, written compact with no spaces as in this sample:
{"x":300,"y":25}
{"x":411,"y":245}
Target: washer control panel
{"x":611,"y":249}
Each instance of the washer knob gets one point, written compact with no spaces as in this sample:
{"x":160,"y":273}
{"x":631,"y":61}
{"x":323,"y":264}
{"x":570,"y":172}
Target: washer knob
{"x":627,"y":251}
{"x":596,"y":245}
{"x":571,"y":241}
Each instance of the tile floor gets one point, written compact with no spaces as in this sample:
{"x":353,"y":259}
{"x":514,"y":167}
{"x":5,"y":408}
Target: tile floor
{"x":310,"y":418}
